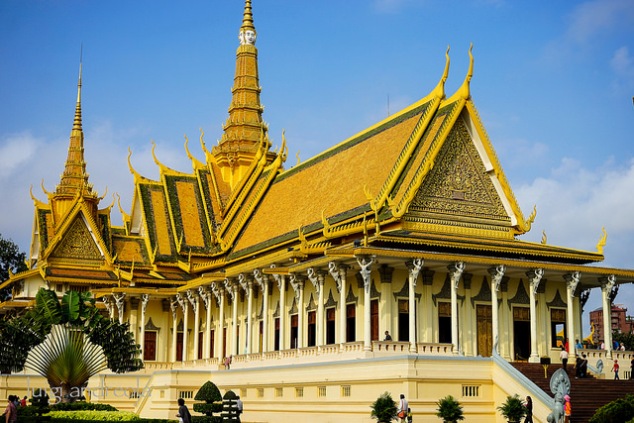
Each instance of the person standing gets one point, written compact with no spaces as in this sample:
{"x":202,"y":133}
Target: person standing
{"x":615,"y":369}
{"x":564,"y":359}
{"x":402,"y":409}
{"x":11,"y":412}
{"x":183,"y":413}
{"x":388,"y":337}
{"x":240,"y":407}
{"x":567,"y":409}
{"x":632,"y":369}
{"x":529,"y":409}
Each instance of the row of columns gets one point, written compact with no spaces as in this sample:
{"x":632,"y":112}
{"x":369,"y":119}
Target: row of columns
{"x":338,"y":271}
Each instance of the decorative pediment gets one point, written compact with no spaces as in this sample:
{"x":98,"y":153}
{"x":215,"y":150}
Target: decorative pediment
{"x":557,"y":301}
{"x":150,"y":326}
{"x":77,"y":243}
{"x":330,"y":302}
{"x":485,"y":293}
{"x":445,"y":292}
{"x":404,"y":291}
{"x":459,"y":190}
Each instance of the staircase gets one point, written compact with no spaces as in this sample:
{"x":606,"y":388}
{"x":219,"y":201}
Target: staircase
{"x":586,"y":394}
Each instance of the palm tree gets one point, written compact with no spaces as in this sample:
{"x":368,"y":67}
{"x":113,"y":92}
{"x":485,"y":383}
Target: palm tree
{"x":67,"y":342}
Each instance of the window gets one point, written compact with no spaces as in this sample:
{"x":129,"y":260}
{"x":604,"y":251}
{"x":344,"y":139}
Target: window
{"x":149,"y":346}
{"x":557,"y":327}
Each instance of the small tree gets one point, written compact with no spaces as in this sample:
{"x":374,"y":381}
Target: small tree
{"x":512,"y":409}
{"x":449,"y":409}
{"x":209,"y":393}
{"x":12,"y":260}
{"x":384,"y":408}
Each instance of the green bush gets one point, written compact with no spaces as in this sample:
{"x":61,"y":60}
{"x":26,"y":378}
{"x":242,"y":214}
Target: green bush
{"x":209,"y":393}
{"x":82,"y":406}
{"x":206,"y":419}
{"x":111,"y":416}
{"x":617,"y":411}
{"x":384,"y":409}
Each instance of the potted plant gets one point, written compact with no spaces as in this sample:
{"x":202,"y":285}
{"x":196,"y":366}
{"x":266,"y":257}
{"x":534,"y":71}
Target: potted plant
{"x":449,"y":409}
{"x":512,"y":410}
{"x":384,"y":408}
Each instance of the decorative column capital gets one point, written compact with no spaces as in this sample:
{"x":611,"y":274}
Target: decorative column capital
{"x":535,"y":277}
{"x":607,"y":282}
{"x":204,"y":294}
{"x":414,"y":266}
{"x":365,"y":263}
{"x":193,"y":299}
{"x":497,"y":273}
{"x":455,"y":271}
{"x":217,"y":290}
{"x":145,"y":298}
{"x":572,"y":280}
{"x":338,"y":273}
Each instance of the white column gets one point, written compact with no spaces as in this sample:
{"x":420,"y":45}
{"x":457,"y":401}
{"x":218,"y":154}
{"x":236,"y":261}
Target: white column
{"x":185,"y":306}
{"x":205,"y":295}
{"x":281,"y":286}
{"x":174,"y":307}
{"x":413,"y":268}
{"x":497,"y":273}
{"x":338,"y":273}
{"x":572,"y":280}
{"x":144,"y":300}
{"x":455,"y":271}
{"x":317,"y":279}
{"x":247,"y":286}
{"x":194,"y":301}
{"x":218,"y":292}
{"x":263,"y":282}
{"x":365,"y":263}
{"x":232,"y":291}
{"x":534,"y":277}
{"x":297,"y":283}
{"x":606,"y":288}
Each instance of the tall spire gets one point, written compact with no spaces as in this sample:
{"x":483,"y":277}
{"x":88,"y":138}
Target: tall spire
{"x":244,"y":130}
{"x":74,"y":179}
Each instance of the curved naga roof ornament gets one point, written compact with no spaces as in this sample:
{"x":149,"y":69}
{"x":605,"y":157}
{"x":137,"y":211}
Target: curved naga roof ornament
{"x":529,"y":222}
{"x":602,"y":240}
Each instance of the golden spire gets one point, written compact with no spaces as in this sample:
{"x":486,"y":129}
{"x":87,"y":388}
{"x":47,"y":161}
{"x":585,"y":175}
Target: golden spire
{"x":244,"y":127}
{"x":74,"y":177}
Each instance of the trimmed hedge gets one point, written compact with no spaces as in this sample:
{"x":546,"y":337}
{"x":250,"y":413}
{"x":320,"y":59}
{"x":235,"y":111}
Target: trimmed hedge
{"x":109,"y":416}
{"x":617,"y":411}
{"x":81,"y":406}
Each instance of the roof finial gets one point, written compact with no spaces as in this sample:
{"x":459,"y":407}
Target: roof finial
{"x":247,"y":30}
{"x":77,"y":120}
{"x":465,"y":90}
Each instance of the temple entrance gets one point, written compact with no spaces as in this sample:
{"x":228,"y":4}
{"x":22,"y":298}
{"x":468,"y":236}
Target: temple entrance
{"x":521,"y":333}
{"x":351,"y":323}
{"x":276,"y":342}
{"x":444,"y":323}
{"x":403,"y":320}
{"x":294,"y":330}
{"x":374,"y":320}
{"x":330,"y":325}
{"x":312,"y":328}
{"x":179,"y":346}
{"x":485,"y":330}
{"x":149,"y":346}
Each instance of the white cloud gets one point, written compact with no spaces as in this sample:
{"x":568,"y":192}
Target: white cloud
{"x":15,"y":151}
{"x":574,"y":203}
{"x":622,"y":64}
{"x":592,"y":18}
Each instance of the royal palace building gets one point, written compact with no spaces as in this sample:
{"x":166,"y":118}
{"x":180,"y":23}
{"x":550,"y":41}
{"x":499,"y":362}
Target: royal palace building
{"x":294,"y":275}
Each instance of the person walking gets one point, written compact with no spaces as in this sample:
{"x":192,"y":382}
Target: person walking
{"x":563,"y":355}
{"x":402,"y":409}
{"x":615,"y":369}
{"x":529,"y":409}
{"x":567,"y":409}
{"x":183,"y":413}
{"x":11,"y":412}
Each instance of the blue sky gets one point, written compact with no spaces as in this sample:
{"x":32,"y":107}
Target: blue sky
{"x":553,"y":83}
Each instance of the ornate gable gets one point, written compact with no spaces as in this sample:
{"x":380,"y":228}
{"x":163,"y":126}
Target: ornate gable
{"x":77,"y":243}
{"x":459,"y":191}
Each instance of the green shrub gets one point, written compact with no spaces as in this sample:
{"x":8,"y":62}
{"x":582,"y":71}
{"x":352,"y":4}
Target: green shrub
{"x":111,"y":416}
{"x":209,"y":393}
{"x":206,"y":419}
{"x":82,"y":406}
{"x":449,"y":409}
{"x":617,"y":411}
{"x":384,"y":409}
